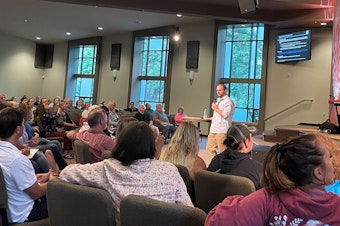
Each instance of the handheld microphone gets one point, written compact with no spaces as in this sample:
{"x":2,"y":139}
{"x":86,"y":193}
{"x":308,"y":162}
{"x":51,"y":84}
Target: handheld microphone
{"x":214,"y":101}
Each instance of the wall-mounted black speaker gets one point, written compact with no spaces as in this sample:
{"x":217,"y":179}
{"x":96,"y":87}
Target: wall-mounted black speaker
{"x":248,"y":6}
{"x":193,"y":48}
{"x":115,"y":56}
{"x":43,"y":55}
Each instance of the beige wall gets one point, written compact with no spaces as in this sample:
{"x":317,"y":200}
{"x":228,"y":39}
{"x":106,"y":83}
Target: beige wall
{"x":194,"y":98}
{"x":286,"y":83}
{"x":118,"y":90}
{"x":17,"y":73}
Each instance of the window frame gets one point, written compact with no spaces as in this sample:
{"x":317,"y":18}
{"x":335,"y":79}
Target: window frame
{"x":218,"y":77}
{"x":136,"y":79}
{"x":71,"y":77}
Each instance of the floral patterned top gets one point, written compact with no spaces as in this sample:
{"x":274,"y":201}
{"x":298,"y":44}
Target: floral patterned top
{"x":148,"y":177}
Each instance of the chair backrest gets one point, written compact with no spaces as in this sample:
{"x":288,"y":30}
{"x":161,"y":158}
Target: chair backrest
{"x":82,"y":152}
{"x":144,"y":211}
{"x":212,"y":188}
{"x":71,"y":204}
{"x":75,"y":115}
{"x":183,"y":171}
{"x":4,"y":203}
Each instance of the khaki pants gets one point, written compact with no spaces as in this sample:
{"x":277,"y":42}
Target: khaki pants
{"x":215,"y":140}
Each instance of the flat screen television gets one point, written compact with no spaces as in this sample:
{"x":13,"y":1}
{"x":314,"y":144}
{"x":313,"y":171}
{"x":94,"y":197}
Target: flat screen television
{"x":293,"y":46}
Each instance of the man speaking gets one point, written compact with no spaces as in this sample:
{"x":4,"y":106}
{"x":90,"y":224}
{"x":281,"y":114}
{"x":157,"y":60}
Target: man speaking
{"x":221,"y":121}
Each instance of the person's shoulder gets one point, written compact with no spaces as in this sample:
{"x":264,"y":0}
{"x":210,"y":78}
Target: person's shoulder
{"x":199,"y":163}
{"x":138,"y":114}
{"x":164,"y":164}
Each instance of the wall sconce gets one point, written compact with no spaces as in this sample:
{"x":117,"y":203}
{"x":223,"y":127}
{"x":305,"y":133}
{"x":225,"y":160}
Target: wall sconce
{"x":177,"y":35}
{"x":191,"y":76}
{"x":192,"y":59}
{"x":115,"y":59}
{"x":114,"y":74}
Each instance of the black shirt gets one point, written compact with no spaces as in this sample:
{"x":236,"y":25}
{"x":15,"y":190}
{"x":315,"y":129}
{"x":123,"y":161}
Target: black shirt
{"x":143,"y":117}
{"x":238,"y":164}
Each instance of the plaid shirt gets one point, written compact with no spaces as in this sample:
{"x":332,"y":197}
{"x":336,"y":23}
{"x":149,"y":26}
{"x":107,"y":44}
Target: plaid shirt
{"x":49,"y":123}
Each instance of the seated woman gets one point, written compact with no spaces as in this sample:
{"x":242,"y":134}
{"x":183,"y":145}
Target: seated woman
{"x":84,"y":114}
{"x":293,"y":193}
{"x":113,"y":116}
{"x":54,"y":105}
{"x":179,"y":116}
{"x":49,"y":125}
{"x":132,"y":170}
{"x":236,"y":160}
{"x":183,"y":149}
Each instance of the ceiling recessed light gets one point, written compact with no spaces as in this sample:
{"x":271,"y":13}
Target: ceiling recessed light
{"x":323,"y":23}
{"x":37,"y":38}
{"x":179,"y":15}
{"x":100,"y":28}
{"x":68,"y":33}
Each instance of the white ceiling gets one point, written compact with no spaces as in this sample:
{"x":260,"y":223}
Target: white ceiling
{"x":51,"y":19}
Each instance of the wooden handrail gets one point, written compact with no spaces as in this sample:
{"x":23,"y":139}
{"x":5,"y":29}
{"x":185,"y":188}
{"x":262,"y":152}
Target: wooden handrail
{"x":287,"y":108}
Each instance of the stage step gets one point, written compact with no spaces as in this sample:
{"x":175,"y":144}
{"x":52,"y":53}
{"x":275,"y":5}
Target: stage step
{"x":280,"y":135}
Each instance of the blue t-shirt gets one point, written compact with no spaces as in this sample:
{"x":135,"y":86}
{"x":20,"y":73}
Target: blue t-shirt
{"x":334,"y":188}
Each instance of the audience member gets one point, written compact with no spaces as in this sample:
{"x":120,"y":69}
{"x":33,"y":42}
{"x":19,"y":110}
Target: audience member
{"x":106,"y":130}
{"x":131,"y":107}
{"x":54,"y":106}
{"x":183,"y":149}
{"x":293,"y":193}
{"x":94,"y":137}
{"x":86,"y":110}
{"x":64,"y":120}
{"x":236,"y":159}
{"x":26,"y":190}
{"x":24,"y":100}
{"x":84,"y":114}
{"x":113,"y":117}
{"x":132,"y":170}
{"x":79,"y":104}
{"x":30,"y":113}
{"x":148,"y":109}
{"x":40,"y":108}
{"x":68,"y":104}
{"x":49,"y":125}
{"x":142,"y":116}
{"x":37,"y":101}
{"x":162,"y":122}
{"x":179,"y":116}
{"x":221,"y":121}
